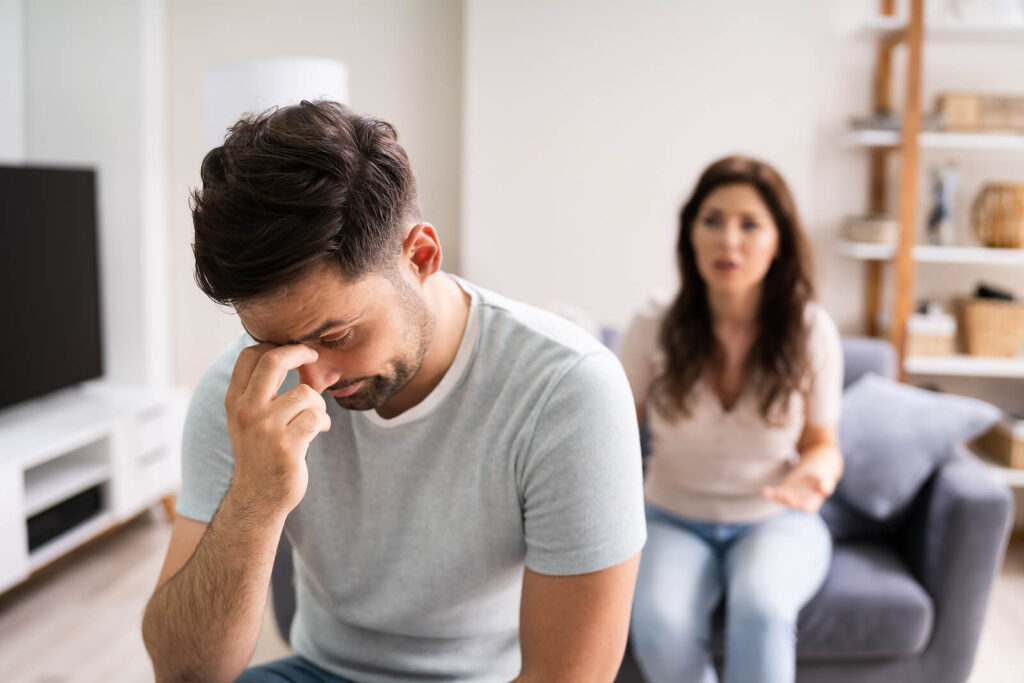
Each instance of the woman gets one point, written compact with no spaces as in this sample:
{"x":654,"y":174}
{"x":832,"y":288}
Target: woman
{"x":739,"y":379}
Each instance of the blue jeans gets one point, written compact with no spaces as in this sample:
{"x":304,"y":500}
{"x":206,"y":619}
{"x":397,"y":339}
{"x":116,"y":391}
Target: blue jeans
{"x":766,"y":571}
{"x":288,"y":670}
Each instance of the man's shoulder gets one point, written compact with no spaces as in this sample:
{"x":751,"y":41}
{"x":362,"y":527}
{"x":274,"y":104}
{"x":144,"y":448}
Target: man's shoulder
{"x":215,"y":379}
{"x":519,"y":328}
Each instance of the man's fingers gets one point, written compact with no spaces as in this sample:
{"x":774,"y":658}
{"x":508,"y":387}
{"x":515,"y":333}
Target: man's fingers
{"x":308,"y":424}
{"x":272,"y":367}
{"x":244,"y":365}
{"x":300,"y":397}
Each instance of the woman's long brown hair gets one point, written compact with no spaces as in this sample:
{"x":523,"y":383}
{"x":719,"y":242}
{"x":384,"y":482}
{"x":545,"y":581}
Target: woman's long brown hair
{"x":777,"y":364}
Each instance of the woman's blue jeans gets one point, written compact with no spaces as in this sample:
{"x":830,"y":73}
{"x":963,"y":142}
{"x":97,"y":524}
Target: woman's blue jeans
{"x":765,"y":571}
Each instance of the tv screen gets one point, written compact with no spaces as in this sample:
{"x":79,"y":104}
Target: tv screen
{"x":50,"y":281}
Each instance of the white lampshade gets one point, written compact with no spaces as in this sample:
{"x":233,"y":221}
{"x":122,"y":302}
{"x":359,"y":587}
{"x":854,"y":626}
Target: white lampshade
{"x":232,"y":90}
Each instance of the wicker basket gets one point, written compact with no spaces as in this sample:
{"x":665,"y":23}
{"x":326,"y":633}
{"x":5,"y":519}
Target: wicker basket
{"x":974,"y":112}
{"x":876,"y":228}
{"x":1004,"y":442}
{"x":997,"y":217}
{"x":931,"y":334}
{"x":930,"y":345}
{"x":992,"y":327}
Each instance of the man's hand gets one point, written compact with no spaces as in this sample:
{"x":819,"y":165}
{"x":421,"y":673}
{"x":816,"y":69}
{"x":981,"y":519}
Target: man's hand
{"x":269,"y":433}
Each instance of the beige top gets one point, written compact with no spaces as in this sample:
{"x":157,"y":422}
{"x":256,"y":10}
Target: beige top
{"x":713,"y":464}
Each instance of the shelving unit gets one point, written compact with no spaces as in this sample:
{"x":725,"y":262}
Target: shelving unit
{"x":1008,"y":475}
{"x":891,"y":32}
{"x":960,"y":365}
{"x":892,"y":28}
{"x":924,"y":253}
{"x":989,"y":142}
{"x":59,"y":479}
{"x":76,"y":463}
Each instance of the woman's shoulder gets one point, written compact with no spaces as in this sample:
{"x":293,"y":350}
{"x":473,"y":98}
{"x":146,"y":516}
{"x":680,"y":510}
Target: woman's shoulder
{"x":817,"y":319}
{"x":822,"y":332}
{"x":654,"y":306}
{"x":641,"y":335}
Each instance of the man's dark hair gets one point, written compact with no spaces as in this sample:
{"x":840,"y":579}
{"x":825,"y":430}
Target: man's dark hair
{"x":296,"y":187}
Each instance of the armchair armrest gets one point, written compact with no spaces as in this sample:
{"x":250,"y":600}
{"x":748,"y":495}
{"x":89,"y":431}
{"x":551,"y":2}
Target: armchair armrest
{"x":954,"y":543}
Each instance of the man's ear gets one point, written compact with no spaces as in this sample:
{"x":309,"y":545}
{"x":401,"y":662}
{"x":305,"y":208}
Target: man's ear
{"x":422,"y":250}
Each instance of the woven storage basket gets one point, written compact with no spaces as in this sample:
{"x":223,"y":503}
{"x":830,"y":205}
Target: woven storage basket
{"x":997,"y":217}
{"x":992,"y":327}
{"x":1004,"y":442}
{"x":930,"y":345}
{"x":976,"y":112}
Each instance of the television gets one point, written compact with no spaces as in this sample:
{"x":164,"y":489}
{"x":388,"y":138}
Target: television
{"x":50,"y":319}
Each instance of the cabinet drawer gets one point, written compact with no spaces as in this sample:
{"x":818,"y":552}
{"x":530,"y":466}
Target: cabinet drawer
{"x":150,"y":430}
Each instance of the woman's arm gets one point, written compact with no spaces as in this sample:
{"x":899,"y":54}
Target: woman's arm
{"x":814,"y":478}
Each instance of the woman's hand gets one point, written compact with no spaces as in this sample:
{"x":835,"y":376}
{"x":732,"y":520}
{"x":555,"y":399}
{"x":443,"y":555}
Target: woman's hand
{"x":805,"y":487}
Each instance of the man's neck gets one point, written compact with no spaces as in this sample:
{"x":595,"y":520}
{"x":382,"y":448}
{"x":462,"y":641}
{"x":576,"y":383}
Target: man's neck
{"x":449,"y":305}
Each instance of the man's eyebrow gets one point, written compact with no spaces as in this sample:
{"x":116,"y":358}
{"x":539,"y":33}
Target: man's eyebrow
{"x":315,"y":334}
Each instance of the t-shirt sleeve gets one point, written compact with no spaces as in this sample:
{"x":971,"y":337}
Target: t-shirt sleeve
{"x":637,"y":352}
{"x":581,"y":480}
{"x":207,"y":461}
{"x":826,"y":390}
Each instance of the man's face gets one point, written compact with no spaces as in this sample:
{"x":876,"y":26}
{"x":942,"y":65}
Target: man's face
{"x":371,"y":335}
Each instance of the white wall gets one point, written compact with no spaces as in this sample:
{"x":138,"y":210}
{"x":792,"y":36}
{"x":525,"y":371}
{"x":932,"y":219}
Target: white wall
{"x":404,"y":59}
{"x":94,"y":80}
{"x":12,"y":81}
{"x":586,"y":124}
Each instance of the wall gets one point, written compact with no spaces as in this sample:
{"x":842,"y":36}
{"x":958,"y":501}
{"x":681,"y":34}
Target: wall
{"x":94,"y":86}
{"x":12,"y":81}
{"x":404,"y":59}
{"x":587,"y":123}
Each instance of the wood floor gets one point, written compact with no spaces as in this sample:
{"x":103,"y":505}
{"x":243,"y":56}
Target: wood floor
{"x":79,"y":620}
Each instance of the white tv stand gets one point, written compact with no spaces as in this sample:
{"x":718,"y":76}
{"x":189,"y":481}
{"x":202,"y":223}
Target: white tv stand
{"x":116,"y":445}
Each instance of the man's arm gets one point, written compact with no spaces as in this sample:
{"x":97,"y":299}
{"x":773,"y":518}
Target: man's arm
{"x":574,"y":628}
{"x":204,"y":618}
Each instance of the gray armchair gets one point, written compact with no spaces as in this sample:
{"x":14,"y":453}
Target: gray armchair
{"x":906,"y":606}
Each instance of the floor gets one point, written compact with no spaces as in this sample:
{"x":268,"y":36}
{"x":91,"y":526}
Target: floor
{"x":78,"y":621}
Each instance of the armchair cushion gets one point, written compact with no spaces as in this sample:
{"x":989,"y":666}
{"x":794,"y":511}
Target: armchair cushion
{"x":893,"y":436}
{"x":870,"y":607}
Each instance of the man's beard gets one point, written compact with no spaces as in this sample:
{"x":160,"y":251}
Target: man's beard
{"x":377,"y":389}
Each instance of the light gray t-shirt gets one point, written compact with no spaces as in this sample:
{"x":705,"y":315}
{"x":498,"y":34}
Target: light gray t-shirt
{"x":411,"y":539}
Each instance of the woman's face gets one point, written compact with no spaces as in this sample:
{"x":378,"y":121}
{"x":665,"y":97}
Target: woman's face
{"x":735,"y":239}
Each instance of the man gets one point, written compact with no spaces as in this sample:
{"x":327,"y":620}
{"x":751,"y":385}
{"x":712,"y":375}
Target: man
{"x":466,"y":503}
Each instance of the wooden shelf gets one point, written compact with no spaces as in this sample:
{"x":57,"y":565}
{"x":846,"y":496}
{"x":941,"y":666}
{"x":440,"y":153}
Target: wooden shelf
{"x":998,"y":142}
{"x":925,"y":253}
{"x":946,"y":31}
{"x":882,"y":27}
{"x":965,"y":366}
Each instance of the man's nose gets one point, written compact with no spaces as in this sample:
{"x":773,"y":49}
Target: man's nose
{"x":318,"y":375}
